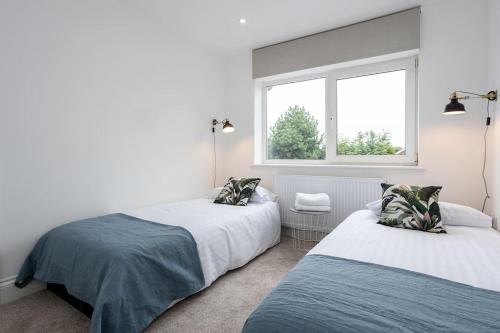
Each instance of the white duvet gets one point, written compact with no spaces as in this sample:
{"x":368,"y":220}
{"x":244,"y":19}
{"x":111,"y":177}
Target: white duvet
{"x":227,"y":236}
{"x":468,"y":255}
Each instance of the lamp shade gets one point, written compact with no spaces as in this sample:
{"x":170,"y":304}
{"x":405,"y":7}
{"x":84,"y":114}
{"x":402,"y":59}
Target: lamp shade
{"x":227,"y":127}
{"x":454,"y":107}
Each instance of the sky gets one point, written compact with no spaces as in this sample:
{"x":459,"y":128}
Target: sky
{"x":374,"y":102}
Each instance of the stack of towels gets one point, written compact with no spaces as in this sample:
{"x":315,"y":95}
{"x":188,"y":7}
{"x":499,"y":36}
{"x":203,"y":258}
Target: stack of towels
{"x":313,"y":202}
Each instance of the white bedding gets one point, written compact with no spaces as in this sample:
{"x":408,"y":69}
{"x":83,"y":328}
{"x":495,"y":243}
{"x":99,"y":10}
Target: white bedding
{"x":227,"y":236}
{"x":467,"y":255}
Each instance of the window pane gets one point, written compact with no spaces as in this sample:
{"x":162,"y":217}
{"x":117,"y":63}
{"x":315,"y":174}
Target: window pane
{"x":296,"y":120}
{"x":371,"y":114}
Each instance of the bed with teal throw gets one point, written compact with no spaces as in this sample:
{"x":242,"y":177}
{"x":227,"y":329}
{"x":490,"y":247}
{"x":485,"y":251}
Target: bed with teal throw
{"x":129,"y":270}
{"x":330,"y":294}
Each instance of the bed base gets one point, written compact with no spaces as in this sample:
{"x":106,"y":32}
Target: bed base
{"x":60,"y":290}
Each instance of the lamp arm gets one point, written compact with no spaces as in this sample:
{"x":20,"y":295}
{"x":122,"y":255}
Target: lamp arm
{"x":468,"y":93}
{"x":492,"y":95}
{"x":215,"y":122}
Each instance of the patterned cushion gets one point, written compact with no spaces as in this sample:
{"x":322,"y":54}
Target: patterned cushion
{"x":237,"y":191}
{"x":411,"y":207}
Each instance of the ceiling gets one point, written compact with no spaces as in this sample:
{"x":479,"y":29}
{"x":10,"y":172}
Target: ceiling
{"x":215,"y":23}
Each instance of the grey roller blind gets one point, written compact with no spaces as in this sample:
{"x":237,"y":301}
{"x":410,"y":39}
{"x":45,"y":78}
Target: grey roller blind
{"x":384,"y":35}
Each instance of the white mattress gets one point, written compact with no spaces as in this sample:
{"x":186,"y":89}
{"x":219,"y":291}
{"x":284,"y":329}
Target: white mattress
{"x":465,"y":254}
{"x":227,"y":236}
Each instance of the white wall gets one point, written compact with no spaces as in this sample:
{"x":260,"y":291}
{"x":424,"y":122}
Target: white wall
{"x":453,"y":56}
{"x":102,"y":110}
{"x":494,"y":83}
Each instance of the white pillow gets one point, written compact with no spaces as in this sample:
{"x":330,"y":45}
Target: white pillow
{"x":451,"y":214}
{"x":455,"y":214}
{"x":375,"y":207}
{"x":261,"y":194}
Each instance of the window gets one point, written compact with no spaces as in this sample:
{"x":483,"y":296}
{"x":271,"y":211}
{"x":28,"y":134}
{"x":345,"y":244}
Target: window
{"x":296,"y":120}
{"x":361,"y":114}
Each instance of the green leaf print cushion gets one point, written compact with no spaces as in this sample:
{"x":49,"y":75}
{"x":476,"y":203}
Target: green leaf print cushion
{"x":237,"y":191}
{"x":411,"y":207}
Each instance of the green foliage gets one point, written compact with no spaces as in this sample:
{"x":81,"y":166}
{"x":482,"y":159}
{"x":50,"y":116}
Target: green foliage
{"x":367,"y":143}
{"x":295,"y":135}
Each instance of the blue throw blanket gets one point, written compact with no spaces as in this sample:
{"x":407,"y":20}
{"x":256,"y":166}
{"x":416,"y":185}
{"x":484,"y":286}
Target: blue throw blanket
{"x":128,"y":269}
{"x":328,"y":294}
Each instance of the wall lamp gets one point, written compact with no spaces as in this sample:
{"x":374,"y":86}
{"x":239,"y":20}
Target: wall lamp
{"x":455,"y":107}
{"x":227,"y":127}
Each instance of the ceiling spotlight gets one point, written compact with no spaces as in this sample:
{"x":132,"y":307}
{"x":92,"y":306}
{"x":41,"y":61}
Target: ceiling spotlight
{"x":243,"y":20}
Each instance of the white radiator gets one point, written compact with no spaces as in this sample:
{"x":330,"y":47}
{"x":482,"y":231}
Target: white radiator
{"x":347,"y":195}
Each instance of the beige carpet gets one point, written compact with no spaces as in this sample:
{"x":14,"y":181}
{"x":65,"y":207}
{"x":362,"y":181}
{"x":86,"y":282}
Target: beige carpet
{"x":223,"y":307}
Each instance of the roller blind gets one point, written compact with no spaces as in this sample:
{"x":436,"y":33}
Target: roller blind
{"x":383,"y":35}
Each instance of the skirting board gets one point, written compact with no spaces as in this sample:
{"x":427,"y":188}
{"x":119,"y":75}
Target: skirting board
{"x":9,"y":292}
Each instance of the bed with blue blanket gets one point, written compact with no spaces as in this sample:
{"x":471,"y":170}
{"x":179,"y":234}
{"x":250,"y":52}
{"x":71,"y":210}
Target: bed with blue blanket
{"x":130,"y":267}
{"x":365,"y":277}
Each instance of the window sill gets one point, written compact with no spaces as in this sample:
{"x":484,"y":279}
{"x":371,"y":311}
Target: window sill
{"x":340,"y":166}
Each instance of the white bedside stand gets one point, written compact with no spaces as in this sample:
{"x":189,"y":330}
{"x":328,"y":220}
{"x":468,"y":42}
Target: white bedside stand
{"x":309,"y":228}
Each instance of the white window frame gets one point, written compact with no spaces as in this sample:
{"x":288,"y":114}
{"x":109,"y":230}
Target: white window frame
{"x":409,"y":64}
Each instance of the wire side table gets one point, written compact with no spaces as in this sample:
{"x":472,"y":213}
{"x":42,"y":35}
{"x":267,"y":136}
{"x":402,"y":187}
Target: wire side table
{"x":309,"y":228}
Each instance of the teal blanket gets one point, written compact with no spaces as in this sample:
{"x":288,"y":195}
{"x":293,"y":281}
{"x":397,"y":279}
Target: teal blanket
{"x":328,"y":294}
{"x":128,"y":269}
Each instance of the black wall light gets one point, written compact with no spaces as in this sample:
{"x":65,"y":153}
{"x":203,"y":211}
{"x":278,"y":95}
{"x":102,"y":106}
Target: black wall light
{"x":227,"y":127}
{"x":456,"y":108}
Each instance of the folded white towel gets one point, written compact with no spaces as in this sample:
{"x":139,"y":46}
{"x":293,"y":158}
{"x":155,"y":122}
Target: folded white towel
{"x":312,"y":208}
{"x":312,"y":199}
